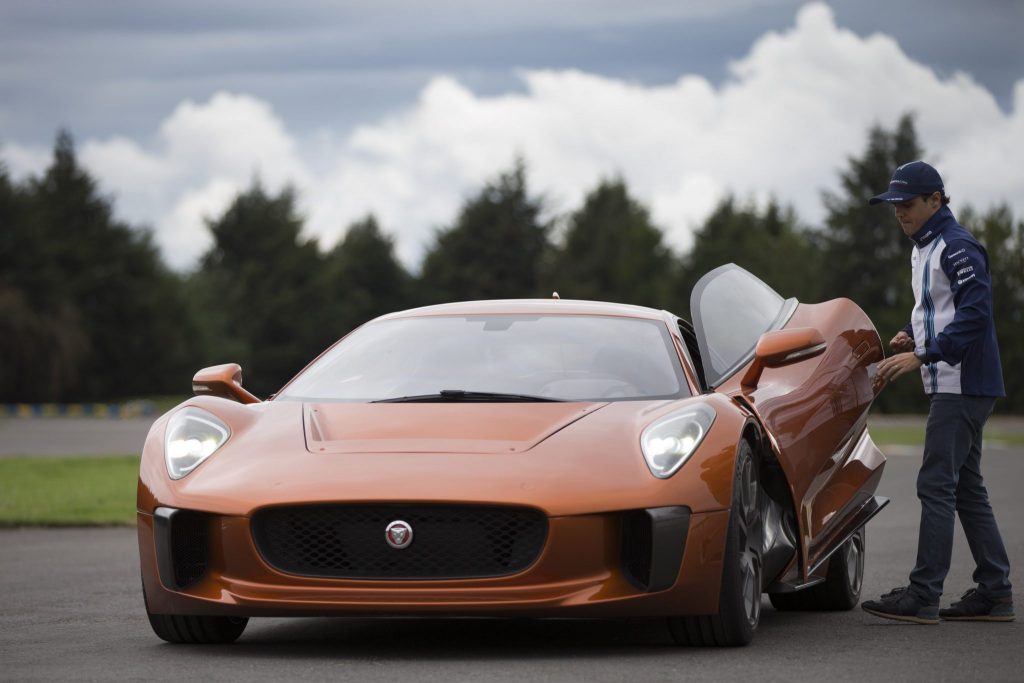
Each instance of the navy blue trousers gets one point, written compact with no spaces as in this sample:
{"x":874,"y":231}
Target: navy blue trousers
{"x":950,"y":484}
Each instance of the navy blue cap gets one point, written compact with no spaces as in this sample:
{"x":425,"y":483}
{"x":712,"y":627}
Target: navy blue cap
{"x":909,"y":181}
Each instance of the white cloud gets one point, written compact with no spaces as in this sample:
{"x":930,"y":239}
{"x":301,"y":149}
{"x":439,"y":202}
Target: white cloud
{"x":785,"y":121}
{"x":206,"y":154}
{"x":791,"y":113}
{"x":123,"y":164}
{"x":21,"y":161}
{"x":232,"y":135}
{"x":183,"y":232}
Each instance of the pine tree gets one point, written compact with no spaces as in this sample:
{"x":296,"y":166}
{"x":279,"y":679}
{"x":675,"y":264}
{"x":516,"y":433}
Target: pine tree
{"x":264,"y":289}
{"x":613,"y":252}
{"x":768,"y":244}
{"x":365,"y":278}
{"x":93,"y":311}
{"x":42,"y":341}
{"x":494,"y":250}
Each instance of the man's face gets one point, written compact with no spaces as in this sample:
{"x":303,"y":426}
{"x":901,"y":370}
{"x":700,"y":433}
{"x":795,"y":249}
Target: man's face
{"x":914,"y":213}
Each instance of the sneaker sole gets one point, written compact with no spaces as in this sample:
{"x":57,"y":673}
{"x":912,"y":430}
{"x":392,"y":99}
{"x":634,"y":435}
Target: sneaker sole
{"x":902,"y":617}
{"x":982,"y":617}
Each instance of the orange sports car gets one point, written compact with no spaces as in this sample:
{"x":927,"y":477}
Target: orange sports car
{"x":527,"y":458}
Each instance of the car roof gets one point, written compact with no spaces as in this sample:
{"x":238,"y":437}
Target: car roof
{"x":532,"y":307}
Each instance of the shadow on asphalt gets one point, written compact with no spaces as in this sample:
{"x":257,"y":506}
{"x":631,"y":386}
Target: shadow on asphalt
{"x":470,"y":639}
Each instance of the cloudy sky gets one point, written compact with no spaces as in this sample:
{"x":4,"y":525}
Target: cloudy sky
{"x":402,"y":107}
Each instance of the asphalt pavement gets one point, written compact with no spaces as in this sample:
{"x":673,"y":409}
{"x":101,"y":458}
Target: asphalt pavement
{"x":72,"y":609}
{"x":61,"y":436}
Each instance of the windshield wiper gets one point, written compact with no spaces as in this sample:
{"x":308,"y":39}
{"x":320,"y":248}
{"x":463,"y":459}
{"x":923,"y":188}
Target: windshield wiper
{"x":452,"y":395}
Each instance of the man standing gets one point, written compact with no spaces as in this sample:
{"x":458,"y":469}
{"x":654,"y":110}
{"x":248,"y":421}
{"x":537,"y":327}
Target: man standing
{"x":951,"y":339}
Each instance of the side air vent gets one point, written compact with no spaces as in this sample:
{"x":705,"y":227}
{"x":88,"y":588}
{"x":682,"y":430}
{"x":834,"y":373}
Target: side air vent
{"x":182,"y":546}
{"x":653,"y":541}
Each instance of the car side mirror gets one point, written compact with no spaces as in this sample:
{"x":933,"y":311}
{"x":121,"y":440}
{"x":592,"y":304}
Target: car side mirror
{"x":224,"y":381}
{"x":782,"y":347}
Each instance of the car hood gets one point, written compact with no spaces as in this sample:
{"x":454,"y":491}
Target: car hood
{"x":456,"y":427}
{"x":574,"y":458}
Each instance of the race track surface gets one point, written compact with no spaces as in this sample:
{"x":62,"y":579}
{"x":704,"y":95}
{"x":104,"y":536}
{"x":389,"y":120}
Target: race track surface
{"x":72,"y":609}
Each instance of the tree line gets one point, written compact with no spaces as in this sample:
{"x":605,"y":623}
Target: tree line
{"x":89,"y":311}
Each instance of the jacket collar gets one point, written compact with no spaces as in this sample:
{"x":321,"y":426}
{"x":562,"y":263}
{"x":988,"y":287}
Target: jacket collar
{"x":933,"y":227}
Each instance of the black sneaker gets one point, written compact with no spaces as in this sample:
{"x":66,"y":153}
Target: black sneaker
{"x":902,"y":605}
{"x":973,"y":606}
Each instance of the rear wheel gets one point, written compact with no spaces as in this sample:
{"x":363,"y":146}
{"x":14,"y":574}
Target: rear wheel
{"x":841,"y":588}
{"x":177,"y":628}
{"x":739,"y":603}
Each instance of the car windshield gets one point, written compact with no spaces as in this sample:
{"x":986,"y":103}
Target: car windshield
{"x":564,"y":357}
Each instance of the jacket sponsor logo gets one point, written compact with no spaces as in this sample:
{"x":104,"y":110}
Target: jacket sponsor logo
{"x":956,"y":253}
{"x":963,"y":260}
{"x":969,"y":277}
{"x":968,"y":269}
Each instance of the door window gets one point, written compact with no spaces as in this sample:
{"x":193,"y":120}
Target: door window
{"x":731,"y":310}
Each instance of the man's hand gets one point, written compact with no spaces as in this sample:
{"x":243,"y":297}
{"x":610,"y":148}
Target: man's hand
{"x":893,"y":367}
{"x":901,"y":342}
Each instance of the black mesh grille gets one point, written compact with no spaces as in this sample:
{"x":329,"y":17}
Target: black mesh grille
{"x":189,"y":534}
{"x":449,"y":541}
{"x":637,"y":541}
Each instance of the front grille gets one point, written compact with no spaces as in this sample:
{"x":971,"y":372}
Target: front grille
{"x":189,"y":546}
{"x":449,"y":541}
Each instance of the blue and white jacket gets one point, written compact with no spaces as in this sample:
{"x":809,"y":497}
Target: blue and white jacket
{"x":952,"y":323}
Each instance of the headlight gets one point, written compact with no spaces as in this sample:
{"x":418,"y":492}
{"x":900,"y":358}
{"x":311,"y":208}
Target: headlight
{"x":192,"y":436}
{"x":669,"y":442}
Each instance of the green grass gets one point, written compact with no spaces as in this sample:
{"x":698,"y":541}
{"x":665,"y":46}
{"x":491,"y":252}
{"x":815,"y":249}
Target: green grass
{"x":68,"y":491}
{"x":889,"y":436}
{"x":911,"y":436}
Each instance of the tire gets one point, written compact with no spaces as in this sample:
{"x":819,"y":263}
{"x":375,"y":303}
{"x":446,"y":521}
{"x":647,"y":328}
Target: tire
{"x":739,"y":602}
{"x":202,"y":630}
{"x":841,"y":588}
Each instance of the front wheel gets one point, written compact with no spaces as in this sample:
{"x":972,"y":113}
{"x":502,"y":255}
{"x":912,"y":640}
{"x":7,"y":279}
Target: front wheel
{"x":177,"y":628}
{"x":203,"y":630}
{"x":739,"y":603}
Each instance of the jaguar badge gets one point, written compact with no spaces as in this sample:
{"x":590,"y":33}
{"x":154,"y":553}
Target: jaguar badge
{"x":398,"y":534}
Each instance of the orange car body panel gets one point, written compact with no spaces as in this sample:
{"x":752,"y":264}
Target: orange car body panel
{"x":578,"y":463}
{"x":819,"y":407}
